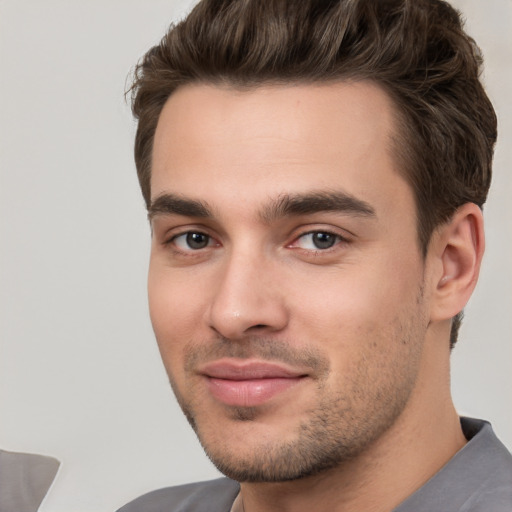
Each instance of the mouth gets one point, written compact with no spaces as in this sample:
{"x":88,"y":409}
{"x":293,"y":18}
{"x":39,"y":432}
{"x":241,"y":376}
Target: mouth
{"x":248,"y":383}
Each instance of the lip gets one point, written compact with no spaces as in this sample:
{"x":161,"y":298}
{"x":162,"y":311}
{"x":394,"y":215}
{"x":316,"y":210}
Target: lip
{"x":248,"y":383}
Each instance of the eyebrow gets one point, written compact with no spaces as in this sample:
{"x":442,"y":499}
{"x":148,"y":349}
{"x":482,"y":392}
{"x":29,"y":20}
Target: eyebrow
{"x":316,"y":202}
{"x":171,"y":204}
{"x":285,"y":205}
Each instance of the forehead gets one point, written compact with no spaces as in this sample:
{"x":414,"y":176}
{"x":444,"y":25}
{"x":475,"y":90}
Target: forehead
{"x":222,"y":144}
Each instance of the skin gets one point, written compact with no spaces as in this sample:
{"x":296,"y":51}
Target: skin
{"x":245,"y":270}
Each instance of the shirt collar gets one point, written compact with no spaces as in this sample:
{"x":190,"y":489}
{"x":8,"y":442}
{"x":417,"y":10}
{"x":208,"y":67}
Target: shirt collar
{"x":470,"y":473}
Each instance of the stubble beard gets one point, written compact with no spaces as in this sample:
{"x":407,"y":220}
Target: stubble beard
{"x":339,"y":429}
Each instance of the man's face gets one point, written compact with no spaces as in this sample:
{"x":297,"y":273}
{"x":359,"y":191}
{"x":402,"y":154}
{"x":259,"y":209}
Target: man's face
{"x":286,"y":285}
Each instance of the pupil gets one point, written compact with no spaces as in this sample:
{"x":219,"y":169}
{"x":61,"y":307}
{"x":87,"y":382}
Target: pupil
{"x":197,"y":240}
{"x":323,"y":240}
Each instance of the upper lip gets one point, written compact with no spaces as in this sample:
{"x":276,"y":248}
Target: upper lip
{"x":248,"y":370}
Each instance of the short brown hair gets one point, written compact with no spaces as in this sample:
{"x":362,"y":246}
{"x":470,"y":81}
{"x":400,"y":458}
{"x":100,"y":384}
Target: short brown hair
{"x":416,"y":50}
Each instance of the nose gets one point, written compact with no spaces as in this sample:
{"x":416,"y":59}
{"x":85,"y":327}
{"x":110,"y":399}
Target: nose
{"x":248,"y":298}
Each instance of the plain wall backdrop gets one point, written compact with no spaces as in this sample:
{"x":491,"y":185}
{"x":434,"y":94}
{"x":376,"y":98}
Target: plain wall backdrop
{"x":80,"y":374}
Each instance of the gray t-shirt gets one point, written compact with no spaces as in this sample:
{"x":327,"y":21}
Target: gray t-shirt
{"x":477,"y":479}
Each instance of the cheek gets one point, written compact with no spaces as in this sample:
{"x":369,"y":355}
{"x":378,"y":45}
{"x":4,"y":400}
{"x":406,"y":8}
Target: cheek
{"x":174,"y":310}
{"x":351,"y":308}
{"x":174,"y":299}
{"x":347,"y":295}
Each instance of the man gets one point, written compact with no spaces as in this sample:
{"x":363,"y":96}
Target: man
{"x":314,"y":173}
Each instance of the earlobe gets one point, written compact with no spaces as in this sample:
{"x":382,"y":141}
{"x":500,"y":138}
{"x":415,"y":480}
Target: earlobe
{"x":459,"y":249}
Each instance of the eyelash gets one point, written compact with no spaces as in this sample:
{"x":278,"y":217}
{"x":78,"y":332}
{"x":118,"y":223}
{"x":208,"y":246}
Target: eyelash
{"x":189,"y":252}
{"x":338,"y":239}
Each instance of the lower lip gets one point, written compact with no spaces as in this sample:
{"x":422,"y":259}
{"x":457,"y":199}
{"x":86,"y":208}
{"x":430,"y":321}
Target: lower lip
{"x":249,"y":393}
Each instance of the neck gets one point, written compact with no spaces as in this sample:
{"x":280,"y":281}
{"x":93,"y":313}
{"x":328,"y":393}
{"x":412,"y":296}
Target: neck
{"x":422,"y":440}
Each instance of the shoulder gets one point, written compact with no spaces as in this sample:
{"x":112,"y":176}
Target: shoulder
{"x":492,"y":462}
{"x":477,"y":479}
{"x":211,"y":496}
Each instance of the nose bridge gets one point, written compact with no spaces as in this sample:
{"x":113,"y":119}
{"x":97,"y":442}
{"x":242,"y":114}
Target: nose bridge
{"x":247,"y":297}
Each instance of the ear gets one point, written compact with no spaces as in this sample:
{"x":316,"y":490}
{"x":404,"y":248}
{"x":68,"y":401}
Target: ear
{"x":458,"y":247}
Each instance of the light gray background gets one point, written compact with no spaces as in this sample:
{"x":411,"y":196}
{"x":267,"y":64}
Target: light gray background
{"x":80,"y":376}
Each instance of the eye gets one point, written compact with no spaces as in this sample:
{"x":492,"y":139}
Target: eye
{"x":192,"y":240}
{"x":317,"y":240}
